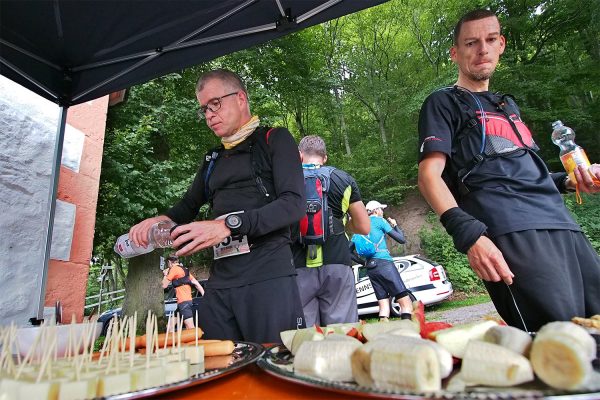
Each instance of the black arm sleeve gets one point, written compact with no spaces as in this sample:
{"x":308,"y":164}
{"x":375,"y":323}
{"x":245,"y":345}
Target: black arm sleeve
{"x":355,"y":257}
{"x":397,"y":235}
{"x":288,"y":180}
{"x":186,"y":209}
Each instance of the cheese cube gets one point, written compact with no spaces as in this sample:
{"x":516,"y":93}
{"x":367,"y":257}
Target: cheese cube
{"x":114,"y":384}
{"x":144,"y":378}
{"x":195,"y":355}
{"x":177,"y":371}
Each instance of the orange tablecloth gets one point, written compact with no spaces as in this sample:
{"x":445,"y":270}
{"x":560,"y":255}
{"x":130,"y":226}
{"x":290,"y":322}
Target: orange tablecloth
{"x":252,"y":383}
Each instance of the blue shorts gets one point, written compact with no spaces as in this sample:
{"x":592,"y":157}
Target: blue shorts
{"x":386,"y":280}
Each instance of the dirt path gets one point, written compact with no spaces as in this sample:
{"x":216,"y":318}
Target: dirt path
{"x":464,"y":315}
{"x":411,"y":217}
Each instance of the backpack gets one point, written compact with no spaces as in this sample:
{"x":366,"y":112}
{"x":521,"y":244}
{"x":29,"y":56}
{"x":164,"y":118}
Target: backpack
{"x":184,"y":280}
{"x":364,"y":246}
{"x":317,"y":224}
{"x":261,"y":164}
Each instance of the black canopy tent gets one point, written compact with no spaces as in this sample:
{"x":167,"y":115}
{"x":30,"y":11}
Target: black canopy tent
{"x":71,"y":51}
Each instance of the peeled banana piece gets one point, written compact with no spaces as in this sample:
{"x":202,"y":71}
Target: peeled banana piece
{"x":561,"y":355}
{"x":493,"y":365}
{"x":565,"y":328}
{"x":510,"y":337}
{"x":326,"y":359}
{"x":397,"y":363}
{"x":443,"y":355}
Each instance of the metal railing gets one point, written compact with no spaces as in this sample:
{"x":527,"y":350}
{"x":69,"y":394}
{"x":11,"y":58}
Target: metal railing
{"x":101,"y":294}
{"x":105,"y":301}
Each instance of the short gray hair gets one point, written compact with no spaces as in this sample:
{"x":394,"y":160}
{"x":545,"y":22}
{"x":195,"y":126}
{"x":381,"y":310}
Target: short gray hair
{"x":224,"y":75}
{"x":313,"y":145}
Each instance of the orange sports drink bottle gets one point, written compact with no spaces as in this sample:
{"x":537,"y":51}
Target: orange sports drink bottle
{"x":571,"y":155}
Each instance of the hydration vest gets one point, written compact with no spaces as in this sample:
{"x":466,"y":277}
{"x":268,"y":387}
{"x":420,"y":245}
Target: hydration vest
{"x":475,"y":124}
{"x":262,"y":174}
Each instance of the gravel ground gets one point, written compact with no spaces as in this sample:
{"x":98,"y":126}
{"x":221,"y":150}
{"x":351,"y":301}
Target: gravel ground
{"x":464,"y":315}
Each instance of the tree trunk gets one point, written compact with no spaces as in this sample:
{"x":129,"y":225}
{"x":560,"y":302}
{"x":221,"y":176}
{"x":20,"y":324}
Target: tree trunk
{"x":299,"y":124}
{"x":343,"y":130}
{"x":382,"y":131}
{"x":118,"y":265}
{"x":144,"y":290}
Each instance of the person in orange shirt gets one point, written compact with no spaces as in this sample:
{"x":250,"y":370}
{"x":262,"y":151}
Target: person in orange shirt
{"x":182,"y":280}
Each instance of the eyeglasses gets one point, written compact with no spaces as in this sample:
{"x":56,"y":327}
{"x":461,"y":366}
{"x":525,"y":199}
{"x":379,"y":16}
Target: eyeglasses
{"x":213,"y":105}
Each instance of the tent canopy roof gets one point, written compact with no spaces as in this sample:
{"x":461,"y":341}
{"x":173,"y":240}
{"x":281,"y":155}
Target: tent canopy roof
{"x":73,"y":51}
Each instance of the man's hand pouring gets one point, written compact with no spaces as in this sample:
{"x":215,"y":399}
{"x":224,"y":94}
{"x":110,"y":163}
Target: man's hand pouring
{"x":193,"y":237}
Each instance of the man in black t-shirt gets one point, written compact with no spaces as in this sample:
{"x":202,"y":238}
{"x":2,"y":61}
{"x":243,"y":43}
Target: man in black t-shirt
{"x":251,"y":293}
{"x":479,"y":170}
{"x":325,"y":280}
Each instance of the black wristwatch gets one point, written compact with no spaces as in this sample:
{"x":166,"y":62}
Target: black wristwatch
{"x":234,"y":223}
{"x":567,"y":188}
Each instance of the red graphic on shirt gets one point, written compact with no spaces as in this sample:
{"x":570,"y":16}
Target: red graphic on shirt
{"x":496,"y":124}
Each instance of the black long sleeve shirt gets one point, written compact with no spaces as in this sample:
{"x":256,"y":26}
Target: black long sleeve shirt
{"x":265,"y":224}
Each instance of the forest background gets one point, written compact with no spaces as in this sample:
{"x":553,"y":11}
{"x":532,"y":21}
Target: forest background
{"x":358,"y":82}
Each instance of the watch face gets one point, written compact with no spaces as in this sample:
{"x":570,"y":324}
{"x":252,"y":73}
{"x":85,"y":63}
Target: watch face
{"x":233,"y":221}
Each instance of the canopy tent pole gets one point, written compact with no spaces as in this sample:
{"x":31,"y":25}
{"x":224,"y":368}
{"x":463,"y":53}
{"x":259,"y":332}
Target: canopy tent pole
{"x":58,"y":148}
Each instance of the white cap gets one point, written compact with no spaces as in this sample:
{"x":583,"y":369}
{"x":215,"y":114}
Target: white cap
{"x":374,"y":204}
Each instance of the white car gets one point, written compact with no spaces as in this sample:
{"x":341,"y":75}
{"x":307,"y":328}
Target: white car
{"x":426,"y":280}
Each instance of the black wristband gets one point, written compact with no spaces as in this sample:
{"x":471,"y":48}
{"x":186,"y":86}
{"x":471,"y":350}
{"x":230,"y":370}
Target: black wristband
{"x":464,"y":228}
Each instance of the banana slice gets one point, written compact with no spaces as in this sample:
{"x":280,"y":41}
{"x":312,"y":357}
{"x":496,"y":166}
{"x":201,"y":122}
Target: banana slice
{"x":561,"y":355}
{"x":326,"y":359}
{"x":569,"y":329}
{"x":413,"y":367}
{"x":510,"y":337}
{"x":443,"y":355}
{"x":396,"y":362}
{"x":493,"y":365}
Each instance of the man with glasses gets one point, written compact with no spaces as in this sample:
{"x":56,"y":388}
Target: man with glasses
{"x":254,"y":186}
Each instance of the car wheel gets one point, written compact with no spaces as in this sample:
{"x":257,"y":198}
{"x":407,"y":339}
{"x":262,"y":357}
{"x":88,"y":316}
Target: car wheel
{"x":395,"y":307}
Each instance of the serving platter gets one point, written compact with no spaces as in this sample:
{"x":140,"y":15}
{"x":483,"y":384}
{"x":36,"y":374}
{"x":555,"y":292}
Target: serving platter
{"x":245,"y":353}
{"x":278,"y":361}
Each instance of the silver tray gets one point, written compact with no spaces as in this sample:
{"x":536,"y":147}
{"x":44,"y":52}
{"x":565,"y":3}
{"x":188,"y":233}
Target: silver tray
{"x":278,"y":362}
{"x":244,"y":353}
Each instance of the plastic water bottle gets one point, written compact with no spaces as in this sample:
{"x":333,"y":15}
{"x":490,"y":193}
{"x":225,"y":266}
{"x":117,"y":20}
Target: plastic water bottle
{"x":571,"y":155}
{"x":159,"y":236}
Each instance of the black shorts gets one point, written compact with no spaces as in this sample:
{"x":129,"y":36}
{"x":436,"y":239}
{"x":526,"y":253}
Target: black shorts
{"x":557,"y":277}
{"x":386,"y":280}
{"x":254,"y":313}
{"x":185,"y":309}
